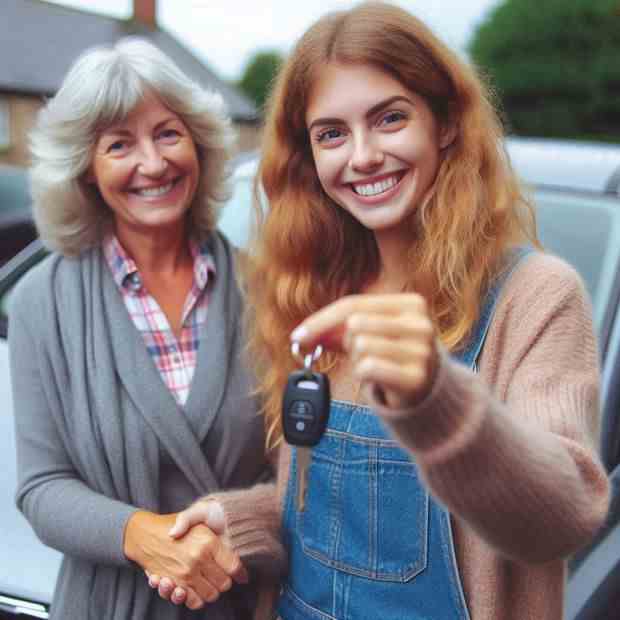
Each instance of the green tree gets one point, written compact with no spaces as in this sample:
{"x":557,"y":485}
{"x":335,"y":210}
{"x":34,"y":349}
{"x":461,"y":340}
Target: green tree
{"x":259,"y":74}
{"x":555,"y":65}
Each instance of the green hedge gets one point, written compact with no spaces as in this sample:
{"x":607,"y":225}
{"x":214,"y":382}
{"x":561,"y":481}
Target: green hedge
{"x":555,"y":65}
{"x":259,"y":74}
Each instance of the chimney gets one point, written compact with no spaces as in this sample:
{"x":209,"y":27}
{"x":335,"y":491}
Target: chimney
{"x":145,"y":12}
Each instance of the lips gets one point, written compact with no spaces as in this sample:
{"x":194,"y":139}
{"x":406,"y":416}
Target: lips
{"x":154,"y":191}
{"x":377,"y":187}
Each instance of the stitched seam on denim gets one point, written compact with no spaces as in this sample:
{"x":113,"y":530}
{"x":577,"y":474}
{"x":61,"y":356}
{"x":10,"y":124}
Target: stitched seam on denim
{"x":403,"y":575}
{"x":373,"y":520}
{"x":364,"y":409}
{"x":335,"y":514}
{"x":452,"y":567}
{"x":298,"y":602}
{"x":387,"y":443}
{"x":345,"y":586}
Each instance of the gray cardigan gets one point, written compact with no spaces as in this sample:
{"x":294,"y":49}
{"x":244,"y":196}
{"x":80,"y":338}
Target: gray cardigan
{"x":99,"y":435}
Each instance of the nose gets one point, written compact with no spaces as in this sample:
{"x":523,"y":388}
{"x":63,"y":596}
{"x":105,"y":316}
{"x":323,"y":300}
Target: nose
{"x":151,"y":162}
{"x":367,"y":154}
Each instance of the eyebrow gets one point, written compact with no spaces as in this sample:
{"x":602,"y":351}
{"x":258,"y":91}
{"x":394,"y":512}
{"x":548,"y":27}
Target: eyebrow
{"x":112,"y":131}
{"x":371,"y":112}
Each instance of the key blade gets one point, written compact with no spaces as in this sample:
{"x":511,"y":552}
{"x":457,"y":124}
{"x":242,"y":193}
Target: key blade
{"x":304,"y":457}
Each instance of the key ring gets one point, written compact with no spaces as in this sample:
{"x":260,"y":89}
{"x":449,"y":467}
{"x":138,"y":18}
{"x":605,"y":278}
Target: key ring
{"x":308,"y":359}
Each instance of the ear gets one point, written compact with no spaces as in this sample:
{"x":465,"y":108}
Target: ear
{"x":447,"y":134}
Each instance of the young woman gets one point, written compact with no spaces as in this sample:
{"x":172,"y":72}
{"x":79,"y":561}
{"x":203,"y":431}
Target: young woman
{"x":459,"y":467}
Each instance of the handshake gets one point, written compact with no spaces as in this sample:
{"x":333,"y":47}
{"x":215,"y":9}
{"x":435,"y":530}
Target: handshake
{"x":190,"y":563}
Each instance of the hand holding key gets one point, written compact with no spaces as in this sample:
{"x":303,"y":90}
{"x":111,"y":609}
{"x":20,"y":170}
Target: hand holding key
{"x":390,"y":340}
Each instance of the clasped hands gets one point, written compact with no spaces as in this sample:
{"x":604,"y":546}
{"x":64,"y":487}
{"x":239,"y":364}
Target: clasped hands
{"x":190,"y":549}
{"x":391,"y":346}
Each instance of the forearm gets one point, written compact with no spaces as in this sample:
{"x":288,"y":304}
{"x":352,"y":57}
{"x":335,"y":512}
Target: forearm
{"x":70,"y":517}
{"x":252,"y":527}
{"x":530,"y":491}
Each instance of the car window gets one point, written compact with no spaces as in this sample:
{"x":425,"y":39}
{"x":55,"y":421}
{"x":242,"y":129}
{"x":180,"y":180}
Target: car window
{"x":235,"y":217}
{"x":14,"y":192}
{"x":584,"y":230}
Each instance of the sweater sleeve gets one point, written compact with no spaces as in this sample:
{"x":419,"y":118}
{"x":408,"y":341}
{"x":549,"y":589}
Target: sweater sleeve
{"x":63,"y":511}
{"x":252,"y":518}
{"x":518,"y":463}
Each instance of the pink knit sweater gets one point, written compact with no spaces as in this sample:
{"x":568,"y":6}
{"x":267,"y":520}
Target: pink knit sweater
{"x":510,"y":451}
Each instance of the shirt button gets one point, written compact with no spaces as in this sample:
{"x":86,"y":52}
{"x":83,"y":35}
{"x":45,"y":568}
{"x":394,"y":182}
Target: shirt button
{"x":135,"y":281}
{"x":176,"y":359}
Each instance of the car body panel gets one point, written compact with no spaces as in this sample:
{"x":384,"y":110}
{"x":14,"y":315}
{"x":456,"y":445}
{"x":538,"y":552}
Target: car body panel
{"x":582,"y":166}
{"x":31,"y":570}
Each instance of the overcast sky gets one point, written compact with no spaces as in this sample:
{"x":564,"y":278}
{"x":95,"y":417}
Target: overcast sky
{"x":225,"y":33}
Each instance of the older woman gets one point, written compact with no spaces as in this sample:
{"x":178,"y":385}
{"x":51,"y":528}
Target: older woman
{"x":131,"y":396}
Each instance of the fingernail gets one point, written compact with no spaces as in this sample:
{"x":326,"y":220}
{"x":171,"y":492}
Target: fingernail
{"x":299,"y":333}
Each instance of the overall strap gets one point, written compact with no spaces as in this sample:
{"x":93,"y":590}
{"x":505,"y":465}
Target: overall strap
{"x":469,"y":356}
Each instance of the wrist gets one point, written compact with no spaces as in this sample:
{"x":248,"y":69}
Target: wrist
{"x":134,"y":526}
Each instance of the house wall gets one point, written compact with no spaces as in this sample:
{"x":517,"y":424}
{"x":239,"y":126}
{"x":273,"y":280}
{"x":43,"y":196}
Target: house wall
{"x":22,"y":115}
{"x":248,"y":136}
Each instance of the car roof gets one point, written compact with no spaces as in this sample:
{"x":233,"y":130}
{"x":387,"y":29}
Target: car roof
{"x":568,"y":164}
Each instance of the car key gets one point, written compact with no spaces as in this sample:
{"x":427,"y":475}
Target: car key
{"x":305,"y":411}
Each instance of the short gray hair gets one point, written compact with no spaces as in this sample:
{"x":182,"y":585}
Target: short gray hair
{"x":101,"y":88}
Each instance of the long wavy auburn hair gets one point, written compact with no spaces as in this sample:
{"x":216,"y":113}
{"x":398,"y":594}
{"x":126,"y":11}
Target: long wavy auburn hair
{"x":310,"y":252}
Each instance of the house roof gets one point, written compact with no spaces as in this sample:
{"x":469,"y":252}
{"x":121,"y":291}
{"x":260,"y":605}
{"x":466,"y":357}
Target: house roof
{"x":40,"y":40}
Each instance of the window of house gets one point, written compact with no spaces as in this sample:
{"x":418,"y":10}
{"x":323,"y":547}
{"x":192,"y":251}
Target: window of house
{"x":5,"y":125}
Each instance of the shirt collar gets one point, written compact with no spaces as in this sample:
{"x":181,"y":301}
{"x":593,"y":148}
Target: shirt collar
{"x":125,"y":271}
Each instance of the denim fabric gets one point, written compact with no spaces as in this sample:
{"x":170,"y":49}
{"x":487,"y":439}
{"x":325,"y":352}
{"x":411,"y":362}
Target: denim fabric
{"x":371,"y":542}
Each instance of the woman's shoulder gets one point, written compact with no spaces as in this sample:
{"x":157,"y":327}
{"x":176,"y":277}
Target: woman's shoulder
{"x":540,"y":272}
{"x":32,"y":293}
{"x":543,"y":287}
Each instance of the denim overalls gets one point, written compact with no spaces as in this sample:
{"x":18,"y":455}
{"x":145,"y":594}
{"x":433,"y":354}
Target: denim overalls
{"x":371,"y":542}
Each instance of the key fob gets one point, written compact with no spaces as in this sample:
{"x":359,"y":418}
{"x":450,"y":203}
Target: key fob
{"x":305,"y":408}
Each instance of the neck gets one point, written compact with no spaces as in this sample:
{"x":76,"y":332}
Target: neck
{"x":158,"y":251}
{"x":395,"y":274}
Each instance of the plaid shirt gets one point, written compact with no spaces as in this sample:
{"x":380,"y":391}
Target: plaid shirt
{"x":175,"y":358}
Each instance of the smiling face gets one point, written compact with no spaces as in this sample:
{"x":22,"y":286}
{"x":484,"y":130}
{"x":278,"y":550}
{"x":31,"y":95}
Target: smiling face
{"x":376,"y":144}
{"x":146,"y":169}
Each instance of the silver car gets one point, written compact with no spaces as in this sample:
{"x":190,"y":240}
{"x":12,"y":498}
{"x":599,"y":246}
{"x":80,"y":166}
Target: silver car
{"x":576,"y":189}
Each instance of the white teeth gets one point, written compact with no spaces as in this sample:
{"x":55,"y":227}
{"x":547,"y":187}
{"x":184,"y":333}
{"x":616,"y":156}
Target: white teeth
{"x":150,"y":192}
{"x":372,"y":189}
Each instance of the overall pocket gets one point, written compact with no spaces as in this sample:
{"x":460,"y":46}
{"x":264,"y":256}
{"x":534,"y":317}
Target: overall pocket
{"x":366,"y":510}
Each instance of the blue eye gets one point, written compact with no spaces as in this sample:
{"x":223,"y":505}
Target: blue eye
{"x":114,"y":147}
{"x":329,"y":134}
{"x":169,"y":133}
{"x":392,"y":117}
